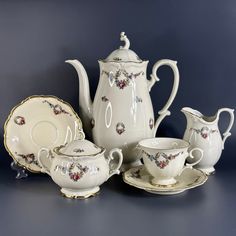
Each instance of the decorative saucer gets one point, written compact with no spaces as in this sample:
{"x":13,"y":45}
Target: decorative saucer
{"x":39,"y":122}
{"x":140,"y":178}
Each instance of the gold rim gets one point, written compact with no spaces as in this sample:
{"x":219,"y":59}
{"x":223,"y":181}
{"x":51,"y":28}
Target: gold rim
{"x":164,"y":149}
{"x":21,"y":103}
{"x":117,"y":62}
{"x":59,"y":153}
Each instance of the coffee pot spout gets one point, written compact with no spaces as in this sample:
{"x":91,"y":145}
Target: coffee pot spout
{"x":85,"y":103}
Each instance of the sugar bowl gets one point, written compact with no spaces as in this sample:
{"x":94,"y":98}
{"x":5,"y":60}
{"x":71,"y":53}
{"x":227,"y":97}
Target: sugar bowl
{"x":80,"y":167}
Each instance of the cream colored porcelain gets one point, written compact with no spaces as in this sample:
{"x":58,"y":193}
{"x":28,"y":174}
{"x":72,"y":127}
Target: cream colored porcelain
{"x":140,"y":178}
{"x":39,"y":122}
{"x":164,"y":158}
{"x":203,"y":132}
{"x":80,"y":167}
{"x":122,"y":113}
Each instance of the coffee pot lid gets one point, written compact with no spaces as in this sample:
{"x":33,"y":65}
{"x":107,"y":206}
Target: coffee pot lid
{"x":78,"y":148}
{"x":123,"y":54}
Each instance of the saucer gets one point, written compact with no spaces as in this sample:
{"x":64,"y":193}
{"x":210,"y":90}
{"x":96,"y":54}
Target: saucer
{"x":39,"y":122}
{"x":140,"y":178}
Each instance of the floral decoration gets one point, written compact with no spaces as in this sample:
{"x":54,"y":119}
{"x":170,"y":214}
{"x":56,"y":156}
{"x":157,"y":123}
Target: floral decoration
{"x":135,"y":174}
{"x":204,"y":131}
{"x":74,"y":170}
{"x":138,"y":99}
{"x":151,"y":123}
{"x":105,"y":99}
{"x":116,"y":59}
{"x":161,"y":163}
{"x":28,"y":158}
{"x":78,"y":150}
{"x":120,"y":128}
{"x":92,"y":123}
{"x":122,"y":83}
{"x":19,"y":120}
{"x":76,"y":175}
{"x":57,"y":109}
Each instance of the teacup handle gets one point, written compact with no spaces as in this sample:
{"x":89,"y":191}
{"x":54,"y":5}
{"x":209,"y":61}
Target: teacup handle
{"x":115,"y":170}
{"x":45,"y":168}
{"x":190,"y":166}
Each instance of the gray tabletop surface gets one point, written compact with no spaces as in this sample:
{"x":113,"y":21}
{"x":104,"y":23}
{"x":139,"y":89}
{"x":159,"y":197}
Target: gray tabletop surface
{"x":34,"y":206}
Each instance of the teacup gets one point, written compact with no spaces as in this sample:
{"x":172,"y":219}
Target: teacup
{"x":164,"y":158}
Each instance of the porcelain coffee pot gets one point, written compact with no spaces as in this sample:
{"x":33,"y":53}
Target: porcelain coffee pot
{"x":203,"y":132}
{"x":122,"y":113}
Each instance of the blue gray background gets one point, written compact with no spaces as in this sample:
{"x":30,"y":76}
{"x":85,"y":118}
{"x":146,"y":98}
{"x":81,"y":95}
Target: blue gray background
{"x":35,"y":39}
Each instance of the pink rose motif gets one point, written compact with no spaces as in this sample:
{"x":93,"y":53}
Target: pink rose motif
{"x":205,"y":132}
{"x":121,"y":84}
{"x":75,"y":176}
{"x":162,"y":164}
{"x":57,"y":109}
{"x":19,"y":120}
{"x":120,"y":128}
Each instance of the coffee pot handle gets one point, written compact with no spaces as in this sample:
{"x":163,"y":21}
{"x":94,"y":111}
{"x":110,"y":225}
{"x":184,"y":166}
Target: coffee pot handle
{"x":114,"y":169}
{"x":164,"y":111}
{"x":45,"y":160}
{"x":227,"y":133}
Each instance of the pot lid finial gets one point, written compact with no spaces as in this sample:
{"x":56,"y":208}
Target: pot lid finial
{"x":124,"y":38}
{"x":123,"y":54}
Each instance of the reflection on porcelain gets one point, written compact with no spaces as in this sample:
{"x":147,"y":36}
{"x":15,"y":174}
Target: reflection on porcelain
{"x":164,"y":158}
{"x":122,"y":112}
{"x":80,"y":167}
{"x":203,"y":132}
{"x":39,"y":122}
{"x":139,"y":177}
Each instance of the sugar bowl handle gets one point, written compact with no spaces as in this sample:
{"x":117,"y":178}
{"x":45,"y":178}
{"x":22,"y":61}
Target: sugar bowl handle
{"x":45,"y":160}
{"x":227,"y":133}
{"x":114,"y":168}
{"x":164,"y":111}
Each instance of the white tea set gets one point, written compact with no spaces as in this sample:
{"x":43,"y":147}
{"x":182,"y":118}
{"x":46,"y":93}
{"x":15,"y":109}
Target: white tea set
{"x":44,"y":134}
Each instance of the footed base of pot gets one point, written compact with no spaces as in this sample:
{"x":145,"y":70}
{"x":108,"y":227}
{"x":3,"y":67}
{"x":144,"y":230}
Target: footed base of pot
{"x":80,"y":194}
{"x":208,"y":171}
{"x":127,"y":166}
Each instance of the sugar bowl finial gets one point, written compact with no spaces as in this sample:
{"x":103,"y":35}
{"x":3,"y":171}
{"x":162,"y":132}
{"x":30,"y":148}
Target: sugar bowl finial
{"x":124,"y":38}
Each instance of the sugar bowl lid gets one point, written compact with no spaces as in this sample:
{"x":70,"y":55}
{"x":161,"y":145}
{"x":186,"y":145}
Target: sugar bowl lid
{"x":79,"y":148}
{"x":123,"y":54}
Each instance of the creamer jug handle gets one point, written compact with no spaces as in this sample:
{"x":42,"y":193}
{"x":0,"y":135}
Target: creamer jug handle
{"x":227,"y":133}
{"x":164,"y":111}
